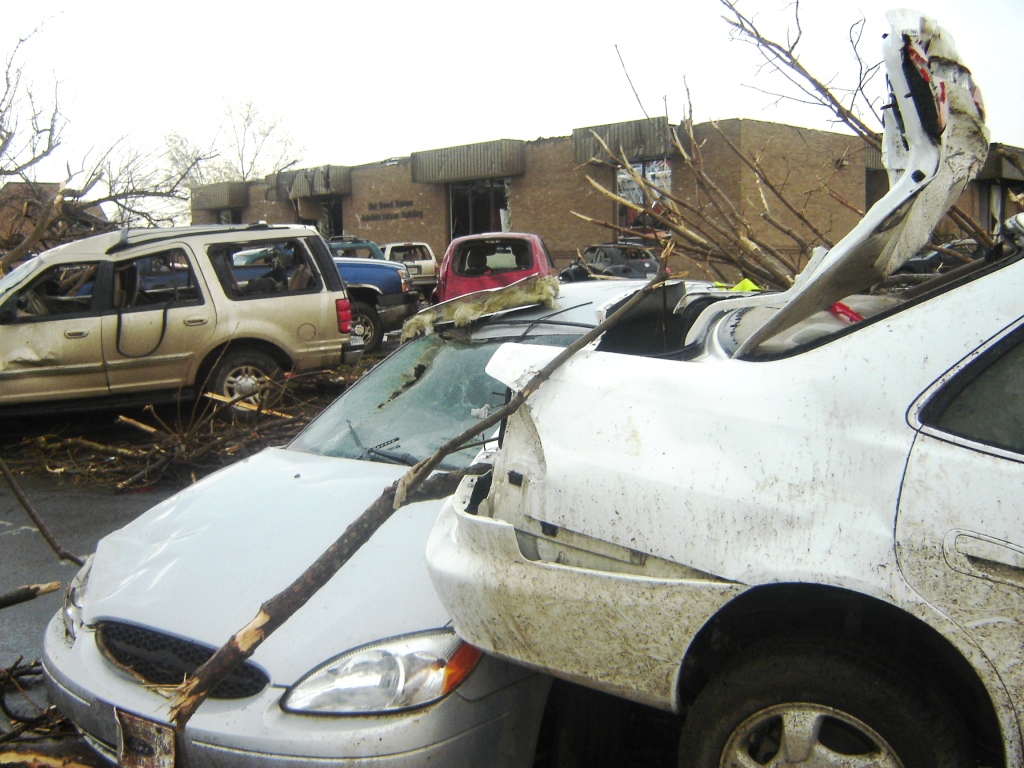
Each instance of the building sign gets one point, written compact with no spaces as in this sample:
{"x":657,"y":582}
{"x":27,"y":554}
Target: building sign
{"x":390,"y":210}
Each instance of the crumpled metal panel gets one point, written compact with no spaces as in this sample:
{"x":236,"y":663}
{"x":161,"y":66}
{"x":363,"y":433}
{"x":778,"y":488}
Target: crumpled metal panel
{"x":320,"y":181}
{"x":639,"y":139}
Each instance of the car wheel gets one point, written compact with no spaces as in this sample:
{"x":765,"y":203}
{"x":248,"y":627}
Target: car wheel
{"x":366,"y":325}
{"x":248,"y":374}
{"x":810,"y":706}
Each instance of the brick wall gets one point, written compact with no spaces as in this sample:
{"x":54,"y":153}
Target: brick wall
{"x":543,"y":198}
{"x":386,"y":206}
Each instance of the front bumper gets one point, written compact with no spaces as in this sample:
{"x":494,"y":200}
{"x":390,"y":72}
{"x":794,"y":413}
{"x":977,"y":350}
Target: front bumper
{"x":394,"y":309}
{"x":492,"y":719}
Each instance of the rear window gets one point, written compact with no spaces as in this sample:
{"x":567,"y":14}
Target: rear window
{"x":481,"y":257}
{"x":356,"y":250}
{"x":409,"y":253}
{"x":636,"y":254}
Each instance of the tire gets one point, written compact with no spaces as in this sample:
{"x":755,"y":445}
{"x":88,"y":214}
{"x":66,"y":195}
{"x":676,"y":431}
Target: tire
{"x":847,"y":706}
{"x":244,"y":372}
{"x":366,"y":325}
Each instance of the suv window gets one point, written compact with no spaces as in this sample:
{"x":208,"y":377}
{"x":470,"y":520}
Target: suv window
{"x":155,"y":279}
{"x":984,"y":403}
{"x":60,"y":291}
{"x":266,"y":268}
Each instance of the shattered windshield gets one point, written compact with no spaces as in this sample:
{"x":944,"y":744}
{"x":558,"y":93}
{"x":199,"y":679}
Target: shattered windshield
{"x":420,"y":397}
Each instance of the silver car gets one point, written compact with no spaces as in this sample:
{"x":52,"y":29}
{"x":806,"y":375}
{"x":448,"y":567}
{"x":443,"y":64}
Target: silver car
{"x":370,"y":670}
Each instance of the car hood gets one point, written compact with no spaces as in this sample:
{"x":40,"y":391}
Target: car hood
{"x":200,"y":564}
{"x":935,"y":142}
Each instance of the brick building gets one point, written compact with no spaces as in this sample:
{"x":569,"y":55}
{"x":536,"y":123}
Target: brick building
{"x":535,"y":186}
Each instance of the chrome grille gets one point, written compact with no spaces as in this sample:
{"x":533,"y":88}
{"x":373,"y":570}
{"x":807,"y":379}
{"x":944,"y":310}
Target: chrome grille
{"x":161,"y":659}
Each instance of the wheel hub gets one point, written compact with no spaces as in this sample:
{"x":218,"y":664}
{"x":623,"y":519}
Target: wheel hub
{"x":809,"y":735}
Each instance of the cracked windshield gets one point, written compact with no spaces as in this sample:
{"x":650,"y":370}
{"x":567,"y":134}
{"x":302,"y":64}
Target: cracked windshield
{"x":427,"y":392}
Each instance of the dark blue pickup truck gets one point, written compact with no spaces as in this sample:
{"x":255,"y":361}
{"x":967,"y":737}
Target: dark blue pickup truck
{"x":380,"y":292}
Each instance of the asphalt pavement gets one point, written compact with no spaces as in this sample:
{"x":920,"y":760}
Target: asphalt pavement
{"x":78,"y":518}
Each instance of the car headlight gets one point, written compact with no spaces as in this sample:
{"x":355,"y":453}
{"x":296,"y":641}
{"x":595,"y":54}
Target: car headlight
{"x":387,"y":676}
{"x":74,"y":599}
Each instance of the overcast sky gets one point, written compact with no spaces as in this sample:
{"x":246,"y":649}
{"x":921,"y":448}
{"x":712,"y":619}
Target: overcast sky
{"x":361,"y":82}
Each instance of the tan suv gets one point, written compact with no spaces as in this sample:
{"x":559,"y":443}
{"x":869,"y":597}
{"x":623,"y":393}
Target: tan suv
{"x":146,"y":314}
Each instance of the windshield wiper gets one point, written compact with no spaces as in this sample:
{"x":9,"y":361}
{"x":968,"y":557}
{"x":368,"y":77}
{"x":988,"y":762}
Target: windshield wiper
{"x":396,"y":458}
{"x":390,"y":456}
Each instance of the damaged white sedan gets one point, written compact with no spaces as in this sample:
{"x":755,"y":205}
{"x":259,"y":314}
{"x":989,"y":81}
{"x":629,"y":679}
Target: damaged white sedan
{"x":368,"y":672}
{"x":807,"y":537}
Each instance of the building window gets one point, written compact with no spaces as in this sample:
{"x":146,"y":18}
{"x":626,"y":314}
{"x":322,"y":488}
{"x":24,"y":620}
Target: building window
{"x":659,"y":174}
{"x":479,"y":206}
{"x":229,"y":216}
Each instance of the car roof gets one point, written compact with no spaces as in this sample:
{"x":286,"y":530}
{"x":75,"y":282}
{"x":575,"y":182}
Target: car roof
{"x":109,"y":243}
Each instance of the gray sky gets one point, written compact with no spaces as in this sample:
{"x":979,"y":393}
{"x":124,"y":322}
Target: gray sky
{"x":360,"y":82}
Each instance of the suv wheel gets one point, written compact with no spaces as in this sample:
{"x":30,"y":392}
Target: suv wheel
{"x":807,"y":705}
{"x":249,"y":374}
{"x":366,"y":325}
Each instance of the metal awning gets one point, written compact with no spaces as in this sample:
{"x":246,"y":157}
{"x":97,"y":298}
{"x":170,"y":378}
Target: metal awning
{"x":489,"y":160}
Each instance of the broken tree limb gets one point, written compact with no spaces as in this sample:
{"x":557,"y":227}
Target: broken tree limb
{"x":19,"y":494}
{"x":27,"y":592}
{"x":418,"y":484}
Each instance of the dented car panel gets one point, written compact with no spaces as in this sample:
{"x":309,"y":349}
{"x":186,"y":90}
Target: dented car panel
{"x":551,"y":616}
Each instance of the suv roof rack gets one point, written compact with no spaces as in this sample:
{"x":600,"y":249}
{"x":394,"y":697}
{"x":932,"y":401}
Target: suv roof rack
{"x":130,"y":236}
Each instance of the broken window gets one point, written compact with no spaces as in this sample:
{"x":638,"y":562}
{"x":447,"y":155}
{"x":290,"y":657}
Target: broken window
{"x":60,"y":291}
{"x":157,"y":278}
{"x":480,"y":257}
{"x":275,"y":267}
{"x":479,"y":206}
{"x":659,"y":174}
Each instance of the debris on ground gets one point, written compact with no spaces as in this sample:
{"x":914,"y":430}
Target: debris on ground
{"x":198,"y":438}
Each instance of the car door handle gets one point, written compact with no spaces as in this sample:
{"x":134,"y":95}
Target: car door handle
{"x":196,"y":321}
{"x":75,"y":334}
{"x":990,"y":551}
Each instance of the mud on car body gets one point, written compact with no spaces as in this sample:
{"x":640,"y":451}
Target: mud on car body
{"x":806,"y":538}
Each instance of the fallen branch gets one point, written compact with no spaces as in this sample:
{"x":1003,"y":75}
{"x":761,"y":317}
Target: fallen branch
{"x":26,"y":593}
{"x":19,"y":494}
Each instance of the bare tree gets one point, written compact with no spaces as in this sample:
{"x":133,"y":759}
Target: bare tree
{"x":247,"y":146}
{"x":726,"y":236}
{"x":114,"y":187}
{"x":852,"y":104}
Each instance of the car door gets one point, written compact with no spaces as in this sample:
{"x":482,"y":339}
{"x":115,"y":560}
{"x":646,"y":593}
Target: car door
{"x":51,"y":337}
{"x":159,"y":316}
{"x":960,"y":529}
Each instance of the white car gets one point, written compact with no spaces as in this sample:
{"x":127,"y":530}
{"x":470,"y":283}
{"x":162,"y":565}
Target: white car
{"x":369,"y":672}
{"x":806,"y":538}
{"x":420,"y":260}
